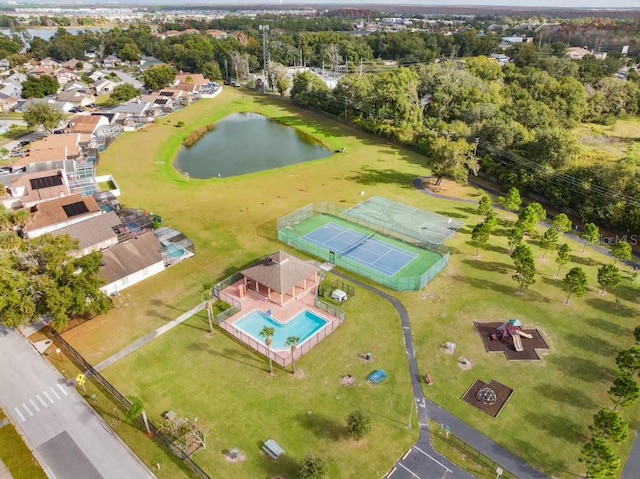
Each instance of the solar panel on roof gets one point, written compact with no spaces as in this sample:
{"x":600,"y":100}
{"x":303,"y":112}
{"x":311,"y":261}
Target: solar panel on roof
{"x":45,"y":182}
{"x":166,"y":93}
{"x":161,"y":101}
{"x":75,"y":209}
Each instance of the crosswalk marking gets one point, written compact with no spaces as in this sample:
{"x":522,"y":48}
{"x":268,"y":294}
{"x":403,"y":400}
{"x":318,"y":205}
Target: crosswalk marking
{"x":46,"y":394}
{"x":26,"y":408}
{"x":62,"y":389}
{"x":53,"y":391}
{"x":42,"y":400}
{"x":22,"y":418}
{"x":35,"y":406}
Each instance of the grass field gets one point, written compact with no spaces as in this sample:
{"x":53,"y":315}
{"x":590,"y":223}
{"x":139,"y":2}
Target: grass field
{"x":226,"y":385}
{"x":16,"y":455}
{"x":609,"y":142}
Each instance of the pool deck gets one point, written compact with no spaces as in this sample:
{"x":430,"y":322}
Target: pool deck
{"x":252,"y":301}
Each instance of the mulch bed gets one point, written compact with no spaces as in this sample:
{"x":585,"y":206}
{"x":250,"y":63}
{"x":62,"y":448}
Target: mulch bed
{"x":503,"y":393}
{"x":496,"y":346}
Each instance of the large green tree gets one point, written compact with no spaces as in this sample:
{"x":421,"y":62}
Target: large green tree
{"x":158,"y":77}
{"x":562,"y":223}
{"x":452,"y":160}
{"x":484,"y":206}
{"x":628,"y":360}
{"x":590,"y":235}
{"x":312,"y":467}
{"x":624,"y":390}
{"x":562,"y":258}
{"x":42,"y":277}
{"x":39,"y":87}
{"x":511,"y":201}
{"x":267,"y":334}
{"x":621,"y":251}
{"x":480,"y":236}
{"x":525,"y":266}
{"x":549,"y":241}
{"x":576,"y":282}
{"x":602,"y":462}
{"x":358,"y":424}
{"x":609,"y":424}
{"x":42,"y":115}
{"x":609,"y":276}
{"x":123,"y":93}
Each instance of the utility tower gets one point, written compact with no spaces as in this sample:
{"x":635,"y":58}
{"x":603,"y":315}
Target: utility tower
{"x":265,"y":55}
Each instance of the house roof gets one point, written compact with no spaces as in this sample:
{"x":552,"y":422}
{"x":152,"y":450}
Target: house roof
{"x":111,"y":58}
{"x":16,"y":78}
{"x":54,"y":147}
{"x":92,"y":231}
{"x":216,"y":33}
{"x":40,"y":186}
{"x":186,"y":87}
{"x":61,"y":209}
{"x":72,"y":96}
{"x":126,"y":258}
{"x":41,"y":70}
{"x":103,"y":82}
{"x":133,"y":108}
{"x":281,"y":271}
{"x":195,"y":78}
{"x":85,"y":123}
{"x":49,"y":59}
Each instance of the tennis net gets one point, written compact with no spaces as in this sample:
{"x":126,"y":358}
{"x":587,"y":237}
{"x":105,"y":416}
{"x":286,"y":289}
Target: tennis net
{"x":354,"y":246}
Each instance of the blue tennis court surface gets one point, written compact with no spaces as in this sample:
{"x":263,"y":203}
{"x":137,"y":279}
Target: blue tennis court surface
{"x":360,"y":248}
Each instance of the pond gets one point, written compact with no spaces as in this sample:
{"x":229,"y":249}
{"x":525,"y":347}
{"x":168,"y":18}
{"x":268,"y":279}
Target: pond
{"x":245,"y":143}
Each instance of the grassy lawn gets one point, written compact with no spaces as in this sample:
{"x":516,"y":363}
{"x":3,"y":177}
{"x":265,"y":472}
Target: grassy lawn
{"x":226,"y":385}
{"x":16,"y":455}
{"x":609,"y":142}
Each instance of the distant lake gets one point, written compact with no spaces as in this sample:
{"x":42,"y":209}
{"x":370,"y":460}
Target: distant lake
{"x":245,"y":143}
{"x":47,"y":33}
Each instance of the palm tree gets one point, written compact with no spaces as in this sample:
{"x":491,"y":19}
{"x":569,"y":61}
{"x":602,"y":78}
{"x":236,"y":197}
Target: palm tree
{"x":136,"y":410}
{"x":267,"y":333}
{"x":292,"y":342}
{"x":207,"y":290}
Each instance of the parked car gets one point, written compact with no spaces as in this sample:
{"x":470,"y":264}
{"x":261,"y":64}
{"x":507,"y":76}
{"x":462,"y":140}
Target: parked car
{"x":24,"y":143}
{"x":235,"y":84}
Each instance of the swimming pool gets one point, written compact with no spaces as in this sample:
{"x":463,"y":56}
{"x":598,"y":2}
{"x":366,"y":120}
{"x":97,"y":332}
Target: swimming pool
{"x":304,"y":325}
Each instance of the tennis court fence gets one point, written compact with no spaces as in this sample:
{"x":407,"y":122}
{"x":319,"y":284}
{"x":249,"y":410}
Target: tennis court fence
{"x":288,"y":234}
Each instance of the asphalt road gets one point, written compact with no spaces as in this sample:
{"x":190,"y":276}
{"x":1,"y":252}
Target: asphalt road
{"x":65,"y":434}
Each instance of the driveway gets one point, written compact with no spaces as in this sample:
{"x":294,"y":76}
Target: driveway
{"x":65,"y":434}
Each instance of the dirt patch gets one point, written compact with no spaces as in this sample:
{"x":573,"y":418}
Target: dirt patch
{"x":465,"y":363}
{"x":235,"y":457}
{"x":492,"y":398}
{"x":367,"y":358}
{"x":446,"y":187}
{"x":347,"y":380}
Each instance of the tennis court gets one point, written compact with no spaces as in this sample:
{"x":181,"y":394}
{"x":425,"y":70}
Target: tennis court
{"x":361,"y":248}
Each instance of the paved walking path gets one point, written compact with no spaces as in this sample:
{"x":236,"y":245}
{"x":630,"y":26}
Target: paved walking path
{"x":150,"y":337}
{"x":427,"y":410}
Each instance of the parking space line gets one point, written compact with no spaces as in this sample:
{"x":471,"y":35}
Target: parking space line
{"x":413,"y":474}
{"x":434,"y":460}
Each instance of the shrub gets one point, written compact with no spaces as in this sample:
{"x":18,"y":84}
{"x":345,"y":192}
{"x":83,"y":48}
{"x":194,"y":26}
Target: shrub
{"x":195,"y":136}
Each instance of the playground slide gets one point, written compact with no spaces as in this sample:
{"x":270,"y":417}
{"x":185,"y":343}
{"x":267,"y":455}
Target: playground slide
{"x":517,"y":342}
{"x":525,"y":335}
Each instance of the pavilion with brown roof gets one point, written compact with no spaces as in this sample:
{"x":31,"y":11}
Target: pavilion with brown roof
{"x":281,"y":278}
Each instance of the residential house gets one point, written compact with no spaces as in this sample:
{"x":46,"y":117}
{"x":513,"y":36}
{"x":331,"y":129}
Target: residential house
{"x":5,"y":65}
{"x":501,"y":58}
{"x":91,"y":54}
{"x":242,"y":38}
{"x":49,"y":100}
{"x":55,"y":214}
{"x":88,"y":124}
{"x":577,"y":53}
{"x":148,"y":62}
{"x":64,"y":75}
{"x":103,"y":86}
{"x":7,"y":103}
{"x":111,"y":61}
{"x":78,"y":86}
{"x":93,"y":234}
{"x":50,"y":63}
{"x":192,"y":78}
{"x":76,"y":98}
{"x":55,"y":152}
{"x":71,"y":64}
{"x":217,"y":34}
{"x":130,"y":262}
{"x":29,"y":189}
{"x":41,"y":70}
{"x":97,"y":75}
{"x":12,"y":85}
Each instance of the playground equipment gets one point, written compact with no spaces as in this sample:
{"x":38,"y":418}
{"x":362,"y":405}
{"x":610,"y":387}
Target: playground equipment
{"x":517,"y":343}
{"x":487,"y":396}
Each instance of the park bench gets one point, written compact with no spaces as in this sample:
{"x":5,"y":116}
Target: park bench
{"x":272,"y":449}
